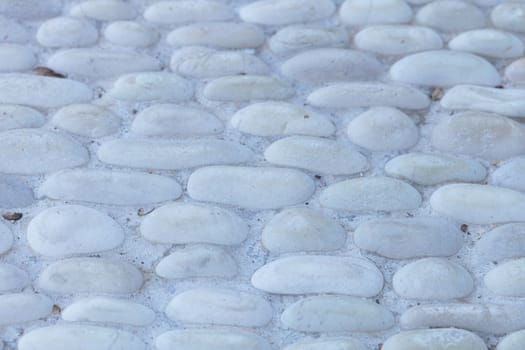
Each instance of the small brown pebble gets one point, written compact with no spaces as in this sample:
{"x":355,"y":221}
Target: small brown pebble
{"x":464,"y":227}
{"x":56,"y":309}
{"x":141,"y":212}
{"x":318,"y":177}
{"x":12,"y":216}
{"x":500,"y":86}
{"x":436,"y":94}
{"x":47,"y":72}
{"x":306,"y":116}
{"x":494,"y":162}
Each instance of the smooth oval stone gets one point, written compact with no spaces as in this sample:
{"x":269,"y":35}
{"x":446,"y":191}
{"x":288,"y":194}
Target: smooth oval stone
{"x":511,"y":175}
{"x":483,"y":318}
{"x":366,"y":12}
{"x":509,"y":16}
{"x":30,"y":9}
{"x":14,"y":194}
{"x":87,"y":120}
{"x":515,"y":72}
{"x":383,"y":129}
{"x":479,"y":204}
{"x":247,"y":88}
{"x":451,"y":16}
{"x":302,"y":229}
{"x":79,"y":336}
{"x":184,"y":11}
{"x":6,"y":238}
{"x":23,"y":307}
{"x":73,"y":229}
{"x":348,"y":95}
{"x":301,"y":37}
{"x":220,"y":306}
{"x":226,"y":35}
{"x":185,"y":223}
{"x":282,"y":12}
{"x":336,"y":313}
{"x":130,"y":33}
{"x":14,"y":57}
{"x":109,"y":310}
{"x":19,"y":117}
{"x":309,"y":274}
{"x":281,"y":118}
{"x":310,"y":66}
{"x":433,"y":278}
{"x":408,"y":238}
{"x":327,"y":343}
{"x":397,"y":39}
{"x":433,"y":168}
{"x":317,"y":155}
{"x":435,"y":339}
{"x":479,"y":134}
{"x":100,"y":63}
{"x":197,"y":261}
{"x":167,"y":120}
{"x":66,"y":32}
{"x":250,"y":187}
{"x":36,"y":151}
{"x":507,"y":279}
{"x":103,"y":10}
{"x":503,"y":242}
{"x":512,"y":341}
{"x":444,"y":68}
{"x":39,"y":91}
{"x":12,"y":278}
{"x":376,"y":193}
{"x":218,"y":339}
{"x":172,"y":155}
{"x":90,"y":275}
{"x":110,"y":187}
{"x":488,"y":42}
{"x":12,"y":31}
{"x":203,"y":62}
{"x":151,"y":86}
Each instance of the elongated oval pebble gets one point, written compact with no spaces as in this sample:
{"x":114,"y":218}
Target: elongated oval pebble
{"x":246,"y":88}
{"x":512,"y":341}
{"x":300,"y":37}
{"x":281,"y":12}
{"x":479,"y":204}
{"x":371,"y":194}
{"x":435,"y":339}
{"x":365,"y":12}
{"x":450,"y":16}
{"x":510,"y":175}
{"x":336,"y":313}
{"x":307,"y":274}
{"x":12,"y":278}
{"x":87,"y":120}
{"x":503,"y":242}
{"x":66,"y":32}
{"x":19,"y":117}
{"x":109,"y":310}
{"x":73,"y":229}
{"x":509,"y":16}
{"x":327,"y":343}
{"x":103,"y":10}
{"x":507,"y":279}
{"x":433,"y":278}
{"x":90,"y":275}
{"x":130,"y":33}
{"x":13,"y":194}
{"x":515,"y":72}
{"x":6,"y":238}
{"x":488,"y":42}
{"x":151,"y":86}
{"x":23,"y":307}
{"x":218,"y":339}
{"x":250,"y":187}
{"x":220,"y":306}
{"x":184,"y":11}
{"x":12,"y":31}
{"x":14,"y":57}
{"x":65,"y":337}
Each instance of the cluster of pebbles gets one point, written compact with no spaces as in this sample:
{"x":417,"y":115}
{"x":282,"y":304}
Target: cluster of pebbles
{"x":273,"y":174}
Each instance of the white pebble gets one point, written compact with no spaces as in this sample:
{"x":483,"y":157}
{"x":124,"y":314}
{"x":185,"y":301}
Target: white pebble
{"x":12,"y":278}
{"x":515,"y":72}
{"x":130,"y":33}
{"x":15,"y":57}
{"x":218,"y":339}
{"x":12,"y":31}
{"x":104,"y":10}
{"x":30,"y":9}
{"x":510,"y":175}
{"x":6,"y":238}
{"x":327,"y":343}
{"x":435,"y":339}
{"x":509,"y":16}
{"x":19,"y":117}
{"x":366,"y":12}
{"x":450,"y":16}
{"x":247,"y":88}
{"x":501,"y":243}
{"x":184,"y":11}
{"x":301,"y":37}
{"x":282,"y":12}
{"x":488,"y":42}
{"x":512,"y":341}
{"x":66,"y":32}
{"x":23,"y":307}
{"x":87,"y":120}
{"x":151,"y":86}
{"x":507,"y":279}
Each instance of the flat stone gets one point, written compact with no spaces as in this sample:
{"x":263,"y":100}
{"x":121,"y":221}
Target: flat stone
{"x":408,"y":238}
{"x":36,"y":151}
{"x":311,"y":274}
{"x":186,"y":223}
{"x":66,"y":32}
{"x":510,"y":174}
{"x":444,"y":68}
{"x":501,"y":243}
{"x":397,"y":39}
{"x":12,"y":278}
{"x":30,"y":9}
{"x":383,"y":129}
{"x":151,"y":86}
{"x":317,"y":155}
{"x":479,"y":204}
{"x":64,"y":337}
{"x":509,"y":16}
{"x":218,"y":339}
{"x":16,"y":58}
{"x":515,"y":72}
{"x":250,"y":187}
{"x":226,"y":35}
{"x":20,"y":117}
{"x":349,"y":95}
{"x":282,"y":12}
{"x":451,"y":16}
{"x":108,"y":310}
{"x":44,"y":92}
{"x":302,"y":229}
{"x":14,"y":194}
{"x":220,"y":307}
{"x":366,"y":12}
{"x":6,"y":238}
{"x":506,"y":279}
{"x":103,"y":10}
{"x":433,"y":278}
{"x":23,"y":307}
{"x":374,"y":193}
{"x":247,"y":88}
{"x":12,"y":31}
{"x":488,"y":42}
{"x":203,"y":62}
{"x":130,"y":33}
{"x":86,"y":120}
{"x":73,"y":229}
{"x":327,"y":343}
{"x":273,"y":118}
{"x":433,"y":168}
{"x":508,"y":102}
{"x":435,"y":339}
{"x":336,"y":313}
{"x":480,"y":134}
{"x":90,"y":275}
{"x":100,"y":63}
{"x":197,"y":262}
{"x":512,"y":341}
{"x":310,"y":66}
{"x":301,"y":37}
{"x":110,"y":187}
{"x":168,"y":120}
{"x":184,"y":11}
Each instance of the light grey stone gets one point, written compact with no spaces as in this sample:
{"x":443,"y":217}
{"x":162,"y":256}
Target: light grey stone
{"x":19,"y":117}
{"x":14,"y":194}
{"x":87,"y":120}
{"x":435,"y":339}
{"x":218,"y":339}
{"x":282,"y":12}
{"x":66,"y":32}
{"x":247,"y":88}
